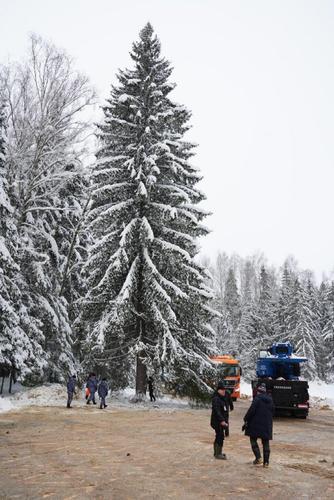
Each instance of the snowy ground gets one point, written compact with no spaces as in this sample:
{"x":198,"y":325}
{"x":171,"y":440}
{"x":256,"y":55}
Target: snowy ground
{"x":86,"y":453}
{"x":55,"y":395}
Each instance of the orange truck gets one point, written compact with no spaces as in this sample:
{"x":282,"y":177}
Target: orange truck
{"x":229,"y":370}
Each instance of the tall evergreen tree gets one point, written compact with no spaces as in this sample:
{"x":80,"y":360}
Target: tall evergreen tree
{"x":247,"y":330}
{"x":232,"y":314}
{"x":266,"y":309}
{"x":327,"y":331}
{"x":19,"y":353}
{"x":148,"y":299}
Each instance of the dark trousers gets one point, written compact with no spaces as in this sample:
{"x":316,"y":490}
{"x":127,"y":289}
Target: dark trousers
{"x":92,"y":398}
{"x":103,"y":402}
{"x":219,"y":436}
{"x":256,"y":449}
{"x":69,"y":399}
{"x":152,"y":396}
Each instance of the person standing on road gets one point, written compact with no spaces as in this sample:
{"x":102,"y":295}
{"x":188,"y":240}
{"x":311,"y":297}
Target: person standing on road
{"x":92,"y":386}
{"x":150,"y":383}
{"x":259,"y":424}
{"x":219,"y":418}
{"x":70,"y":389}
{"x":103,"y":393}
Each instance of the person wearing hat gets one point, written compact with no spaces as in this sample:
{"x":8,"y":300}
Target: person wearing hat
{"x":219,"y":419}
{"x":70,"y":389}
{"x":259,"y":424}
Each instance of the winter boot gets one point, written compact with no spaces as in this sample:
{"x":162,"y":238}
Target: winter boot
{"x":266,"y":459}
{"x":256,"y":451}
{"x":218,"y":452}
{"x":257,"y":461}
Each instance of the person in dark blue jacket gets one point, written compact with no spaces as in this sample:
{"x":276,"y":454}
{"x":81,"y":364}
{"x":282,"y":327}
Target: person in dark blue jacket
{"x":259,"y":424}
{"x":92,"y":386}
{"x":103,"y":393}
{"x":70,"y":389}
{"x":219,"y":419}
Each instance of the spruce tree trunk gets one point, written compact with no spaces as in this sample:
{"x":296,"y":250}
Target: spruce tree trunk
{"x":140,"y":377}
{"x":141,"y":367}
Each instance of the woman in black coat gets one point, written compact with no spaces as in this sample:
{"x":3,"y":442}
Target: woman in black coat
{"x":219,"y":420}
{"x":259,"y":424}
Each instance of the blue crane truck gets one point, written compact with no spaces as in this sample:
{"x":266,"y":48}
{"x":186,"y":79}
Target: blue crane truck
{"x":279,"y":369}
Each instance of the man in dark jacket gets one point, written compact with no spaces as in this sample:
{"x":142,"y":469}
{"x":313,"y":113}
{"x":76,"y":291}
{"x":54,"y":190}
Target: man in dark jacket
{"x":103,"y":393}
{"x":259,"y":424}
{"x":70,"y":389}
{"x":219,"y":418}
{"x":92,"y":386}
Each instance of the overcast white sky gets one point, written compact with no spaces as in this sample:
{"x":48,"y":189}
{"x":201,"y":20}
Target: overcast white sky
{"x":258,"y":76}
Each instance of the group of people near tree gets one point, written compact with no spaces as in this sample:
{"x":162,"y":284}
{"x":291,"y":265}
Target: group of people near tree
{"x":94,"y":385}
{"x":258,"y":422}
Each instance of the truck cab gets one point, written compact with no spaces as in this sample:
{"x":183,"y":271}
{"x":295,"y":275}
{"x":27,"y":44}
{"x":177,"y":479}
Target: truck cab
{"x":229,"y":370}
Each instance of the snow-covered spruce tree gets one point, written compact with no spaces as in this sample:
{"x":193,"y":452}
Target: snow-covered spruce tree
{"x":326,"y":355}
{"x":148,"y":300}
{"x":284,"y":326}
{"x":45,"y":137}
{"x":303,"y":328}
{"x":19,"y":354}
{"x":266,"y":309}
{"x":231,"y":315}
{"x":247,"y":330}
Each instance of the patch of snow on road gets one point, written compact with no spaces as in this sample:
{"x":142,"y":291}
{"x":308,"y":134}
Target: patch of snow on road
{"x":321,"y":394}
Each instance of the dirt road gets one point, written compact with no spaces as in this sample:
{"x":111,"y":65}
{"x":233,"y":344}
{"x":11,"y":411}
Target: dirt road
{"x":117,"y":454}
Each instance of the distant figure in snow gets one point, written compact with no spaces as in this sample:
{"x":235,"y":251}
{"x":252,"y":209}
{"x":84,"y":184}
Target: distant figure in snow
{"x":103,"y":393}
{"x":219,"y":419}
{"x":92,"y":387}
{"x":150,"y":383}
{"x":259,"y":424}
{"x":70,"y":389}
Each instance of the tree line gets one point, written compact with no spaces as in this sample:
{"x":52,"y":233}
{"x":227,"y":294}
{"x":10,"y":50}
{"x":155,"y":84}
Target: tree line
{"x":99,"y":265}
{"x":260,"y":304}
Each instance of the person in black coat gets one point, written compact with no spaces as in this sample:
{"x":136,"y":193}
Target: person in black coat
{"x":150,"y":383}
{"x":219,"y":419}
{"x":259,"y":424}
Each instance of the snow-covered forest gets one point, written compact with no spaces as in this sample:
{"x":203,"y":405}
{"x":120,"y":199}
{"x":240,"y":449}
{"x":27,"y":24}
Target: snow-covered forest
{"x":260,"y":304}
{"x":99,"y":264}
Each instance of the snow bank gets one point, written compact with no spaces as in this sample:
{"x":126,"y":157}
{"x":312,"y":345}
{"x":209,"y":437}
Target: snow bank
{"x":56,"y":395}
{"x":127,"y":399}
{"x":321,"y":394}
{"x":44,"y":395}
{"x":5,"y":405}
